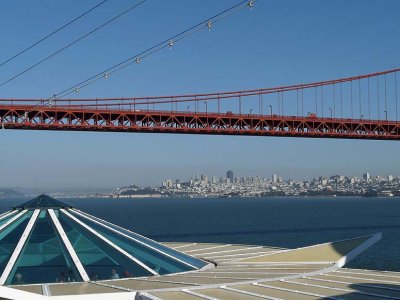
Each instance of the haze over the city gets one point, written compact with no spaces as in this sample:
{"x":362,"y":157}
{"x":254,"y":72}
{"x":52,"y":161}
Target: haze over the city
{"x":299,"y":44}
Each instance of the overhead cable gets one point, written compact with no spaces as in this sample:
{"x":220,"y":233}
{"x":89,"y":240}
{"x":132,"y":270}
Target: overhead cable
{"x":167,"y":43}
{"x":52,"y":33}
{"x":72,"y":43}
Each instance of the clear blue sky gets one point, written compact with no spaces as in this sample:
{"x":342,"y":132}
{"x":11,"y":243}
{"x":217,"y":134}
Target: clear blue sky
{"x":279,"y":42}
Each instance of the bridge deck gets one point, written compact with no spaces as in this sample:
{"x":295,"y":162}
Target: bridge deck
{"x":113,"y":120}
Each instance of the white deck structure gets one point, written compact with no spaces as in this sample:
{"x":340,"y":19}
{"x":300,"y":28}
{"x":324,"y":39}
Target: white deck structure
{"x":49,"y":250}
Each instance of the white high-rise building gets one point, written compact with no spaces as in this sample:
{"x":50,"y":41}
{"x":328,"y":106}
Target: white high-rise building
{"x":390,"y":178}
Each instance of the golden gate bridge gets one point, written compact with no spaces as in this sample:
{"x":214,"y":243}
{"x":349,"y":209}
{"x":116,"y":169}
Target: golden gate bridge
{"x":358,"y":107}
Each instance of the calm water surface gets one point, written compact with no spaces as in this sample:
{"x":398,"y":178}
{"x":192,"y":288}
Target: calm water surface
{"x":277,"y":222}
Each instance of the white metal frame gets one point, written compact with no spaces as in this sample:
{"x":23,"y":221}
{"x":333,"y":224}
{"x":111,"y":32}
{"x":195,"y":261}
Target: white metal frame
{"x":347,"y":290}
{"x":12,"y":220}
{"x":182,"y":246}
{"x":146,"y":238}
{"x":133,"y":239}
{"x":68,"y":245}
{"x":372,"y":239}
{"x":198,"y":295}
{"x":7,"y":213}
{"x":19,"y":246}
{"x":360,"y":278}
{"x":249,"y":293}
{"x":297,"y":291}
{"x":226,"y":252}
{"x":119,"y":249}
{"x":208,"y":248}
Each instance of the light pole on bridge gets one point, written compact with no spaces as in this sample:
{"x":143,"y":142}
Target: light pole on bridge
{"x":205,"y":102}
{"x":270,"y":107}
{"x":386,"y":114}
{"x":330,"y":109}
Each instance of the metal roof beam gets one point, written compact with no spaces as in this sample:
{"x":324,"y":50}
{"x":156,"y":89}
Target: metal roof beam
{"x":107,"y":241}
{"x":133,"y":239}
{"x":12,"y":220}
{"x":19,"y":246}
{"x":7,"y":213}
{"x":68,"y":245}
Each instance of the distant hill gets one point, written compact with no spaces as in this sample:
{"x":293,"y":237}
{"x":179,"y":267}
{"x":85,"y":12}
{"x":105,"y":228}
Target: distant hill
{"x":10,"y":194}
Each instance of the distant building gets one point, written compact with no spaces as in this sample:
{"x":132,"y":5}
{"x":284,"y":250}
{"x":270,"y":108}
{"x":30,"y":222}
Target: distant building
{"x":168,"y":183}
{"x":229,"y":175}
{"x":390,"y":178}
{"x":366,"y":176}
{"x":274,"y":178}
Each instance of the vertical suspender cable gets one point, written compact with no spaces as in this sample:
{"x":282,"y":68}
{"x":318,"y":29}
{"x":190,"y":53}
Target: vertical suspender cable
{"x":395,"y":91}
{"x":379,"y":109}
{"x":359,"y":96}
{"x":386,"y":106}
{"x":334,"y":101}
{"x":316,"y":101}
{"x":369,"y":102}
{"x":240,"y":103}
{"x":341,"y":101}
{"x":322,"y":100}
{"x":279,"y":103}
{"x":351,"y":98}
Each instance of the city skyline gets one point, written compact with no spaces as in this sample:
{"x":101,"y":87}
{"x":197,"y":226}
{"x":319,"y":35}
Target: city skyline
{"x":231,"y":56}
{"x":202,"y":186}
{"x":273,"y":177}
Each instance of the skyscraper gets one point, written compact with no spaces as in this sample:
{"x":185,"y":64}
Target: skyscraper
{"x":274,"y":178}
{"x":229,"y":175}
{"x":366,"y":176}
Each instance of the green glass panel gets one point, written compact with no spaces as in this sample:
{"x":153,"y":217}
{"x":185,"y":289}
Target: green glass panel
{"x":4,"y":220}
{"x":178,"y":255}
{"x":9,"y":238}
{"x":157,"y":261}
{"x":44,"y":258}
{"x":100,"y":260}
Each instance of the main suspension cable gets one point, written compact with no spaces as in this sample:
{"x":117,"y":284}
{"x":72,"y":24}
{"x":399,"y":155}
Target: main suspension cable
{"x":170,"y":42}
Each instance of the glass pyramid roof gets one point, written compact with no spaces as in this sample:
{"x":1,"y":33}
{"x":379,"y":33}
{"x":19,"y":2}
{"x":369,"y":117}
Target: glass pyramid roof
{"x":43,"y":201}
{"x":45,"y":241}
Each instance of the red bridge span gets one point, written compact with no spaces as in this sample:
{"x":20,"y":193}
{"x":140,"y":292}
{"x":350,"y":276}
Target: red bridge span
{"x":360,"y":107}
